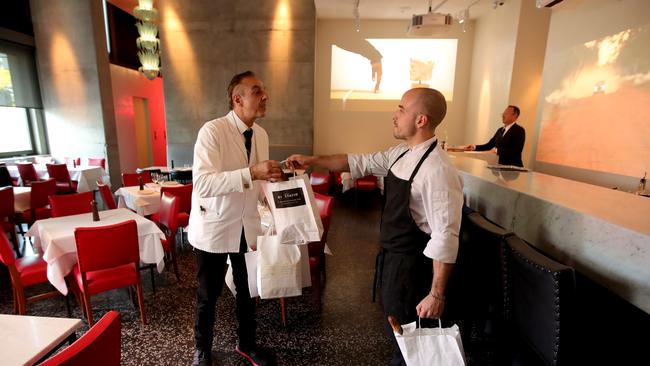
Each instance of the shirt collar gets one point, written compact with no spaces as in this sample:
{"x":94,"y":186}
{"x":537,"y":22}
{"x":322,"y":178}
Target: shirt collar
{"x":423,"y":145}
{"x":241,"y":126}
{"x":506,"y":128}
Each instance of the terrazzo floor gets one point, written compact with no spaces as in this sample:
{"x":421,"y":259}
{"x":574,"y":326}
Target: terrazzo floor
{"x":347,"y":331}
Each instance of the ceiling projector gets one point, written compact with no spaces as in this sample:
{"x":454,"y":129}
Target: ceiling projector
{"x":426,"y":24}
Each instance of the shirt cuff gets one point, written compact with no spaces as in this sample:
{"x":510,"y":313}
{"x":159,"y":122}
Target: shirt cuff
{"x":444,"y":250}
{"x":246,"y":179}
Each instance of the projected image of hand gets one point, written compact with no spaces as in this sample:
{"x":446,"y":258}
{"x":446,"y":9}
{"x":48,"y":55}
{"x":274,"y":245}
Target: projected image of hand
{"x":376,"y":74}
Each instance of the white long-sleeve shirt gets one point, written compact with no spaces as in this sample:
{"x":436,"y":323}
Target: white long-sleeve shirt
{"x":436,"y":199}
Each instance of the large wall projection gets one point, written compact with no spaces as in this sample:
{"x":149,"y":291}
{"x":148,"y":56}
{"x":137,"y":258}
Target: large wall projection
{"x":596,"y":112}
{"x":405,"y":63}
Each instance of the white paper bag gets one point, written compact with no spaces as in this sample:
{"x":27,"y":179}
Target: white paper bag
{"x":431,"y":346}
{"x":279,"y":271}
{"x":251,"y":268}
{"x":294,"y":210}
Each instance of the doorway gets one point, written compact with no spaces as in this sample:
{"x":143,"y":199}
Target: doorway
{"x":142,"y":132}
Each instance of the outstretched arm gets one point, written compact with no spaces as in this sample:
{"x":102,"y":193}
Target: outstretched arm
{"x":335,"y":163}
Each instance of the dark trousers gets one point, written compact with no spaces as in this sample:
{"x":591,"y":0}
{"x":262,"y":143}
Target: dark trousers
{"x":211,"y":271}
{"x":405,"y":281}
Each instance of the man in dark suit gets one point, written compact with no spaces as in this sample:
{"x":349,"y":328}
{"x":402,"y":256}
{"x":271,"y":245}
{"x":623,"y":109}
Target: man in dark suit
{"x":508,"y":141}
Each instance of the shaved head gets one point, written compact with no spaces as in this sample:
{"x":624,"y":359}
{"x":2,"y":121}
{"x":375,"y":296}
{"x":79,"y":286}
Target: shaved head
{"x":431,"y":103}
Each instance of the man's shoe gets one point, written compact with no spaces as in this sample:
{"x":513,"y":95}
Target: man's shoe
{"x":256,"y":356}
{"x":202,"y":358}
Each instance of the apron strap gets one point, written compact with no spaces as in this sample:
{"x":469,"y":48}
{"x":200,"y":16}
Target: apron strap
{"x":424,"y":157}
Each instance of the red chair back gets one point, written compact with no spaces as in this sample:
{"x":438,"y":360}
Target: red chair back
{"x":72,"y":161}
{"x":40,"y":193}
{"x":367,"y":183}
{"x":131,"y":179}
{"x":107,"y":246}
{"x":27,"y":173}
{"x":71,"y":204}
{"x":97,"y":162}
{"x":59,"y":172}
{"x":325,"y":204}
{"x":107,"y":196}
{"x":6,"y":203}
{"x":184,"y":194}
{"x":6,"y":253}
{"x":168,"y":213}
{"x":320,"y":182}
{"x":102,"y":342}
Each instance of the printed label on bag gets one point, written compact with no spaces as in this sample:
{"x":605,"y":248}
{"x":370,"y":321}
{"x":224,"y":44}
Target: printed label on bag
{"x":289,"y":198}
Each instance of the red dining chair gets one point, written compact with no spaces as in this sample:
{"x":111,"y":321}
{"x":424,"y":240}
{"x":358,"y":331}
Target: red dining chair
{"x":24,"y":272}
{"x":367,"y":183}
{"x":97,"y":162}
{"x":71,"y":204}
{"x":184,"y":193}
{"x":107,"y":196}
{"x":320,"y":182}
{"x":107,"y":258}
{"x":131,"y":179}
{"x":75,"y":162}
{"x":39,"y":204}
{"x":102,"y":344}
{"x":7,"y":216}
{"x":168,"y":214}
{"x":27,"y":173}
{"x":316,"y":253}
{"x":60,"y":173}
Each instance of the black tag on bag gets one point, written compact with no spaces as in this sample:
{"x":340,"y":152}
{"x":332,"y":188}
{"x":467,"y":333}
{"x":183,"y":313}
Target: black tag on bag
{"x":289,"y":198}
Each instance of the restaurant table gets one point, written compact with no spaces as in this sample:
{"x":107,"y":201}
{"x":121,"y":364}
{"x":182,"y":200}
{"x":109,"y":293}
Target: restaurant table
{"x":27,"y":339}
{"x":22,"y":197}
{"x":167,"y":170}
{"x":55,"y":239}
{"x":86,"y":176}
{"x":145,"y":202}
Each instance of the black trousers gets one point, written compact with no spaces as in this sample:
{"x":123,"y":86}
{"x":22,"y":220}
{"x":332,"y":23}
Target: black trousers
{"x":405,"y":281}
{"x":211,"y":271}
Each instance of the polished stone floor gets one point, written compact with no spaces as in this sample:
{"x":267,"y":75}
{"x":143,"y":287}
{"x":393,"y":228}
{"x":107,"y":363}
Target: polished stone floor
{"x":348,"y":331}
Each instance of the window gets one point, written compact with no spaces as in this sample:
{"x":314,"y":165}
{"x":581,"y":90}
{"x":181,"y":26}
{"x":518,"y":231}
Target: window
{"x":22,"y":127}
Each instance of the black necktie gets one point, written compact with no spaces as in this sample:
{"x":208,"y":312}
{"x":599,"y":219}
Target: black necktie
{"x":500,"y":135}
{"x":248,"y":135}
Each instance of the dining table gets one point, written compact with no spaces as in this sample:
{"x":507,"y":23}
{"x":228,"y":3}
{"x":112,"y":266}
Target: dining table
{"x":144,"y":202}
{"x":54,"y":239}
{"x":22,"y":198}
{"x":26,"y":340}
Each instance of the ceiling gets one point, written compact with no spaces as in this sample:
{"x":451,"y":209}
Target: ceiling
{"x":397,"y":9}
{"x":375,"y":9}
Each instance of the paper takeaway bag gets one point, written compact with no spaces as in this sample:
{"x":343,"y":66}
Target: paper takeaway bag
{"x":431,"y":346}
{"x":278,"y":268}
{"x":294,"y":209}
{"x":251,"y":268}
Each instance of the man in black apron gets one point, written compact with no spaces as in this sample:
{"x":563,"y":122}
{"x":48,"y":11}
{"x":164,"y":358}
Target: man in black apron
{"x":422,"y":210}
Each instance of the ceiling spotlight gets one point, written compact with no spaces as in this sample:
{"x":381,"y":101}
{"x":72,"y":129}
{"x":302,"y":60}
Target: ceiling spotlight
{"x":497,"y":3}
{"x":463,"y":16}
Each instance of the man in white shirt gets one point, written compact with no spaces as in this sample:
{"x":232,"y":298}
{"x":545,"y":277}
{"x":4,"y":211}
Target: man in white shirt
{"x":230,"y":157}
{"x":422,"y":210}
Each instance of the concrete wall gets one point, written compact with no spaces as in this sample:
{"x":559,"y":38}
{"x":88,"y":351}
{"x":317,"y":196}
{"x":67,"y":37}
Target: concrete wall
{"x":369,"y":127}
{"x":74,"y":75}
{"x":127,"y":84}
{"x":205,"y":44}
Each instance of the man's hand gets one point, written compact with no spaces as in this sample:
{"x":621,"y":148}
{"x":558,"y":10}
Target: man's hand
{"x":376,"y":73}
{"x":298,"y":161}
{"x":266,"y":170}
{"x":431,"y":307}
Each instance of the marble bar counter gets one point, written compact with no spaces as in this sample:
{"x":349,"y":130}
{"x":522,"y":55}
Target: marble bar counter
{"x":602,"y":233}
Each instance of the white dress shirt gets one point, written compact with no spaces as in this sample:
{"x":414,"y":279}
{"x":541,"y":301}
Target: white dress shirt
{"x":436,"y":199}
{"x":224,"y":197}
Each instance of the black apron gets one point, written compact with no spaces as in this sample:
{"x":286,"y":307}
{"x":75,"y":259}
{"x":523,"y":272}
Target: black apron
{"x":402,"y":272}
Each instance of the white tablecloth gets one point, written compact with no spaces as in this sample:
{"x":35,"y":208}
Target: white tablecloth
{"x":144,"y":202}
{"x":167,"y":170}
{"x":22,"y":197}
{"x":87,"y":176}
{"x":55,"y":238}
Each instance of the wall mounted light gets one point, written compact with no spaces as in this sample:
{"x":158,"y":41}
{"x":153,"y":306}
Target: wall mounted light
{"x":148,"y":42}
